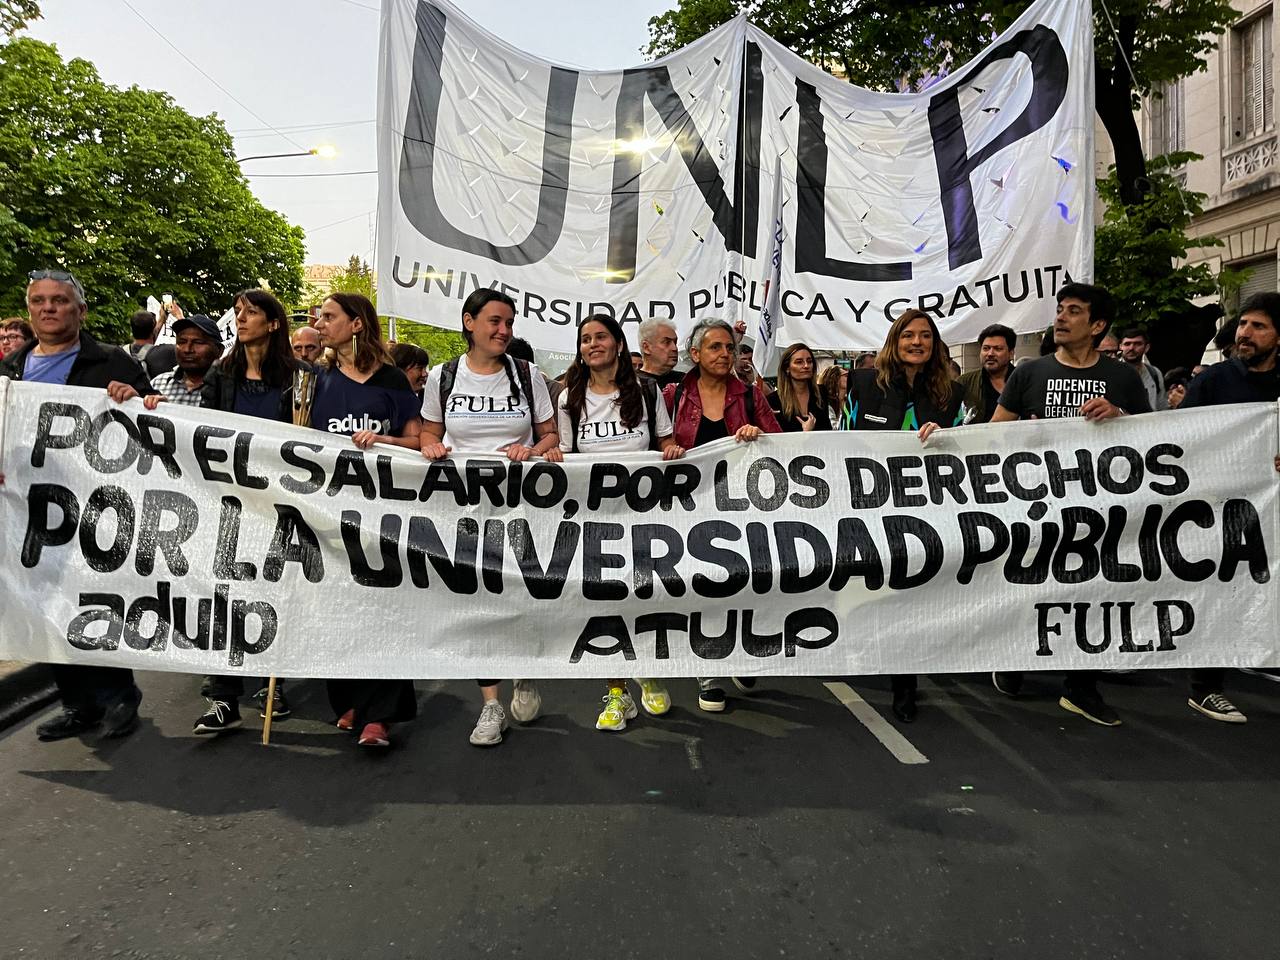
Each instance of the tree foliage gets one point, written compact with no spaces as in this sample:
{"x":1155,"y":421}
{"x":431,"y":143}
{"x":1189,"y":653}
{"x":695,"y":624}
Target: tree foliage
{"x":441,"y":345}
{"x":129,"y":191}
{"x":356,"y":278}
{"x":1136,"y":245}
{"x":16,"y":14}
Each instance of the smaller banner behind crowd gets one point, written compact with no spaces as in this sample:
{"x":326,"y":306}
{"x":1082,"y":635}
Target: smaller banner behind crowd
{"x":644,"y":192}
{"x":197,"y":541}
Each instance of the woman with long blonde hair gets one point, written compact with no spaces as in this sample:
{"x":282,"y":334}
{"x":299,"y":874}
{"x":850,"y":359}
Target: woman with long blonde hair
{"x":798,"y":400}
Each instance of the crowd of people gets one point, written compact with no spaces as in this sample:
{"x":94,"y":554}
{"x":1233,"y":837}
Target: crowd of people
{"x":339,"y":376}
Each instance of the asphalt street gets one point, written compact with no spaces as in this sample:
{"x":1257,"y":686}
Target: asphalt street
{"x":785,"y":827}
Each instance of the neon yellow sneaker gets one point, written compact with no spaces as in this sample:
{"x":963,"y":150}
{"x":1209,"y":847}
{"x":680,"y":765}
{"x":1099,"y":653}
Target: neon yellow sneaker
{"x":618,"y":709}
{"x":654,"y":697}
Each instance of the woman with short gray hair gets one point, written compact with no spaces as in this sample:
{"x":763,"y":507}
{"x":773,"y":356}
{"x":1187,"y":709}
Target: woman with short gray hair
{"x":710,"y":404}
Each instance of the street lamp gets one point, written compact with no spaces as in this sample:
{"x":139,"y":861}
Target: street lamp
{"x":326,"y":151}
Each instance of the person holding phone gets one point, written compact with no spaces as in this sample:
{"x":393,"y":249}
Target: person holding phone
{"x":799,"y":402}
{"x":155,"y":358}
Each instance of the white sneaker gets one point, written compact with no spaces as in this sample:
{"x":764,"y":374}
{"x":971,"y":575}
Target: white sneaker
{"x":526,"y":702}
{"x":1217,"y":707}
{"x":489,"y":727}
{"x":654,"y":697}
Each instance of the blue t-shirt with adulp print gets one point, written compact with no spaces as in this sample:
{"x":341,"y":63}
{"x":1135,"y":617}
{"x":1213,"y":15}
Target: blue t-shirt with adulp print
{"x":384,"y":403}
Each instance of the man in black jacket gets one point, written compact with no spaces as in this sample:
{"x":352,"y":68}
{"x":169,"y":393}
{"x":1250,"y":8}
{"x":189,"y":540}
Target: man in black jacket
{"x":63,"y":353}
{"x":1250,"y":376}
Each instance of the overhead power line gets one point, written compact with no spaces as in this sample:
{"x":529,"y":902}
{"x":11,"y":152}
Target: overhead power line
{"x":245,"y":131}
{"x":292,"y":176}
{"x":326,"y":226}
{"x":152,"y":27}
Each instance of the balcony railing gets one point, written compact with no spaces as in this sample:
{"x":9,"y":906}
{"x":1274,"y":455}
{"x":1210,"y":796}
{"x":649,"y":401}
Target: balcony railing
{"x":1246,"y":162}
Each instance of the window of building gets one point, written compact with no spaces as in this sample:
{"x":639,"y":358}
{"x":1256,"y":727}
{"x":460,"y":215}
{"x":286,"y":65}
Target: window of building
{"x":1168,"y":119}
{"x":1253,"y":108}
{"x":1261,"y":278}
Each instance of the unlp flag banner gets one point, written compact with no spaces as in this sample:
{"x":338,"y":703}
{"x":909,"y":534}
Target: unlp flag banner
{"x":197,"y":541}
{"x":644,"y":192}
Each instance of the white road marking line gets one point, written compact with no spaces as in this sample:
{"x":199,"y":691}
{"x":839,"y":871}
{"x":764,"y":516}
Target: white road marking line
{"x":902,"y":749}
{"x":694,"y":753}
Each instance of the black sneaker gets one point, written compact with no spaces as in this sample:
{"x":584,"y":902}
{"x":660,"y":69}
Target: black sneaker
{"x":222,"y":716}
{"x":711,"y":699}
{"x":745,"y":684}
{"x":69,"y":723}
{"x":1091,"y":707}
{"x":1010,"y":684}
{"x":279,"y":706}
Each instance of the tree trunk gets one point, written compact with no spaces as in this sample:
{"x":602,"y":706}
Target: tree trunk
{"x":1113,"y":99}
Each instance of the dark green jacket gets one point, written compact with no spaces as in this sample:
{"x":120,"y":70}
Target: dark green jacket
{"x":972,"y":383}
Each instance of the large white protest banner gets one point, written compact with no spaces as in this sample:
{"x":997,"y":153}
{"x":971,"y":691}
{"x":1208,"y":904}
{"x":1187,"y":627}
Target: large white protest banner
{"x":198,"y":541}
{"x":643,"y":192}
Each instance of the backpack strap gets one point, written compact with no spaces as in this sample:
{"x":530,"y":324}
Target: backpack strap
{"x":448,"y":374}
{"x":575,"y":418}
{"x":525,"y":375}
{"x":651,"y":400}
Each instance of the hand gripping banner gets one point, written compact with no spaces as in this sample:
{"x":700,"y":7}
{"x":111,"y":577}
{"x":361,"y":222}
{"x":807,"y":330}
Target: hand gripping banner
{"x":643,"y":192}
{"x":197,"y":541}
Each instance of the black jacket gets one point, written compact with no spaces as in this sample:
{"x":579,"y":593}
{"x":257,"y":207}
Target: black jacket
{"x":870,"y":408}
{"x":1229,"y":382}
{"x":97,"y":365}
{"x":219,"y":393}
{"x":817,"y":406}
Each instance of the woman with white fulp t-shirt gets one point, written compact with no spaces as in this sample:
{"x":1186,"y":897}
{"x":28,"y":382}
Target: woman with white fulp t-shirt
{"x":481,"y":402}
{"x":605,"y":409}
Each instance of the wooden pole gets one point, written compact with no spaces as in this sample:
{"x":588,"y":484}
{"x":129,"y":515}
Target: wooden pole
{"x":268,"y":710}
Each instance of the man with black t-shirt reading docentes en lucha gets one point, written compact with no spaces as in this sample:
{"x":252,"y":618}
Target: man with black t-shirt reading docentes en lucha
{"x":1073,"y":381}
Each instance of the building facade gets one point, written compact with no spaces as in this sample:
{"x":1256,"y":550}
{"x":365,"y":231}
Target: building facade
{"x":1227,"y":114}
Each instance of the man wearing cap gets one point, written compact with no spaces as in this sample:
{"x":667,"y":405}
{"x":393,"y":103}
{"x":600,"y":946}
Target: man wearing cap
{"x":63,"y":353}
{"x":198,"y":344}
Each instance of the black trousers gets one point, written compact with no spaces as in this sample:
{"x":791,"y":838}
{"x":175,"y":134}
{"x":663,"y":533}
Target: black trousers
{"x":1075,"y":682}
{"x":903,"y":683}
{"x":1206,"y":681}
{"x":1081,"y":683}
{"x":231,"y":688}
{"x":93,"y":689}
{"x":374,"y":701}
